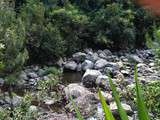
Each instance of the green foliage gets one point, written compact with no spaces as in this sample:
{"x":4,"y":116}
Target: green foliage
{"x":152,"y":98}
{"x":142,"y":111}
{"x":107,"y":111}
{"x":12,"y":39}
{"x":121,"y":111}
{"x":79,"y":116}
{"x":21,"y":112}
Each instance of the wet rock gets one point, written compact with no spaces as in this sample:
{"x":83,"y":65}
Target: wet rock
{"x":75,"y":90}
{"x":79,"y":56}
{"x":87,"y":64}
{"x":101,"y":63}
{"x":71,"y":65}
{"x":125,"y":106}
{"x":89,"y":78}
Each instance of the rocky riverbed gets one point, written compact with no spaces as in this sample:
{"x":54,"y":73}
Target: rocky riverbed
{"x":82,"y":74}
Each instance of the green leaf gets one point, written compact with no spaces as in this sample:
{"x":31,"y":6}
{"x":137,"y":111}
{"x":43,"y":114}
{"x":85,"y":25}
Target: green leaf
{"x":107,"y":111}
{"x":121,"y":111}
{"x":142,"y":111}
{"x":76,"y":109}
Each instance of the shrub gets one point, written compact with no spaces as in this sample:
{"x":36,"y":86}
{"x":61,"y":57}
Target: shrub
{"x":12,"y":39}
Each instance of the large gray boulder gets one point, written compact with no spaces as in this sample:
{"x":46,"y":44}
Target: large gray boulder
{"x":89,"y":78}
{"x":87,"y":105}
{"x":71,"y":65}
{"x":101,"y":63}
{"x":79,"y":56}
{"x":75,"y":90}
{"x":87,"y":64}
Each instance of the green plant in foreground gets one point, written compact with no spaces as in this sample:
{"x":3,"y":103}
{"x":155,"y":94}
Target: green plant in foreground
{"x":142,"y":111}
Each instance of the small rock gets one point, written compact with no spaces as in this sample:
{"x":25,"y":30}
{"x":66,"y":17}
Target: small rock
{"x":79,"y":56}
{"x":32,"y":75}
{"x":89,"y":78}
{"x":125,"y":72}
{"x":107,"y":96}
{"x":92,"y":56}
{"x":103,"y":81}
{"x":71,"y":65}
{"x":49,"y":102}
{"x":101,"y":63}
{"x":33,"y":109}
{"x":87,"y":64}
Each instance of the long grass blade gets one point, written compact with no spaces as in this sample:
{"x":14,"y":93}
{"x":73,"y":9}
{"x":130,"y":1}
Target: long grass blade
{"x":121,"y":111}
{"x":142,"y":111}
{"x":79,"y":116}
{"x":107,"y":111}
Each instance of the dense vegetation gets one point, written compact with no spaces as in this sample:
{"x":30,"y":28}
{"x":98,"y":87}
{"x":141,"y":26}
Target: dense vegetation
{"x":55,"y":28}
{"x":39,"y":31}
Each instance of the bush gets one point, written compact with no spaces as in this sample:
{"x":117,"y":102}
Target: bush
{"x":152,"y":96}
{"x":114,"y":26}
{"x":12,"y":39}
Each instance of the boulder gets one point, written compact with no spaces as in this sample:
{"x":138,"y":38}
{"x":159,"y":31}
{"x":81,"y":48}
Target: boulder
{"x":101,"y":63}
{"x":75,"y":90}
{"x":71,"y":65}
{"x":79,"y":56}
{"x":87,"y":105}
{"x":89,"y":78}
{"x":87,"y":64}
